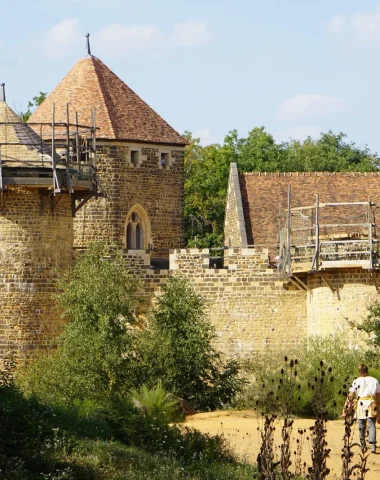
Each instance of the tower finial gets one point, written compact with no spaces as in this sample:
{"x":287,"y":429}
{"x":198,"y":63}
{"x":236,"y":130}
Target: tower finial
{"x":88,"y":44}
{"x":2,"y":93}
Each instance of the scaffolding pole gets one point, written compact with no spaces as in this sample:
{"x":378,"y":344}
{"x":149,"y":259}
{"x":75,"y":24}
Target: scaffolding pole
{"x":288,"y":260}
{"x":370,"y":242}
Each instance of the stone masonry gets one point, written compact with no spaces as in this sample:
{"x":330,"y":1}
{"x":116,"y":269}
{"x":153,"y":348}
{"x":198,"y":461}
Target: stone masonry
{"x":35,"y":249}
{"x":251,"y":308}
{"x":158,"y":190}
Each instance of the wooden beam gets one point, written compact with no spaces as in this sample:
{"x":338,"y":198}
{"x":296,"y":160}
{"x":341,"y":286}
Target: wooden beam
{"x":55,"y":199}
{"x":298,"y":281}
{"x":81,"y":203}
{"x":328,"y":284}
{"x":375,"y":280}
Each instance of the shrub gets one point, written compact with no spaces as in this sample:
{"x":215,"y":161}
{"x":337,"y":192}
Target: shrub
{"x":156,"y":404}
{"x":178,"y":350}
{"x":339,"y":365}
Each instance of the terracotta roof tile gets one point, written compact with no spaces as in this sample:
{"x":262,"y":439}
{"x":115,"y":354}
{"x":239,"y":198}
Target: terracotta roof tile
{"x":120,"y":113}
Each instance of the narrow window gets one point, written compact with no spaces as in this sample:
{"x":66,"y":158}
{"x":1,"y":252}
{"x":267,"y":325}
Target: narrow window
{"x":139,"y":236}
{"x":135,"y":157}
{"x":130,"y":236}
{"x":164,"y":162}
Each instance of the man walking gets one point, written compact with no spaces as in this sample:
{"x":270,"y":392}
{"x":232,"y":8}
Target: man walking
{"x":366,"y":391}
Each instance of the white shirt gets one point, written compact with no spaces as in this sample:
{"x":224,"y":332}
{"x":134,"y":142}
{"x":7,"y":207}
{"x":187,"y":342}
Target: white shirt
{"x":365,"y":387}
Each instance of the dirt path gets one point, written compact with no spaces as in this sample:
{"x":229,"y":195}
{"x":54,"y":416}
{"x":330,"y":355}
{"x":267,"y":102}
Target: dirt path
{"x":241,"y":431}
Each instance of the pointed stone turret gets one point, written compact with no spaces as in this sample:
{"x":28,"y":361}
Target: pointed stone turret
{"x":120,"y":113}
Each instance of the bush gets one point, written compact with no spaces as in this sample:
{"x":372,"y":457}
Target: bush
{"x":156,"y":404}
{"x":178,"y":350}
{"x":339,"y":366}
{"x":102,"y":353}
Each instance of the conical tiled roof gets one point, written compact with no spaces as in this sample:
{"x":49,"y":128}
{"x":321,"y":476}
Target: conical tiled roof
{"x":20,"y":146}
{"x":120,"y":113}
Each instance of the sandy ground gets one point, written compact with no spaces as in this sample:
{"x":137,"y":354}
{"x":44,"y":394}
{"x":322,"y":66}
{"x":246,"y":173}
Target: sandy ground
{"x":241,"y":431}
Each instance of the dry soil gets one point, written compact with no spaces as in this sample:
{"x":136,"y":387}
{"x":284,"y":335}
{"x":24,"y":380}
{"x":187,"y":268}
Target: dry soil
{"x":241,"y":431}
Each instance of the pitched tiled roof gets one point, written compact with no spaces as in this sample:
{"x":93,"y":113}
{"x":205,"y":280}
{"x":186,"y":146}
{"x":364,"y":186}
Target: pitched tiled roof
{"x":264,"y":195}
{"x":20,"y":145}
{"x":120,"y":113}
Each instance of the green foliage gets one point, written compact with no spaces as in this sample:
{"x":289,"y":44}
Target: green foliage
{"x":96,"y":348}
{"x":32,"y":105}
{"x":206,"y":171}
{"x":304,"y":393}
{"x":49,"y":443}
{"x":206,"y":180}
{"x":178,"y":350}
{"x":101,"y":354}
{"x":156,"y":404}
{"x":371,"y":326}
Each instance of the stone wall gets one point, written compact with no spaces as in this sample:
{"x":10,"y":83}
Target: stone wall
{"x":35,"y":249}
{"x":159,"y":190}
{"x":252,"y":308}
{"x":333,"y":305}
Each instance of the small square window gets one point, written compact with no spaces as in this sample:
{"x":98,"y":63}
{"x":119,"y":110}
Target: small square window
{"x":164,"y":161}
{"x":135,"y":157}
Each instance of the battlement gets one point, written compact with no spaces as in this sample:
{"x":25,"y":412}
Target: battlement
{"x":252,"y":260}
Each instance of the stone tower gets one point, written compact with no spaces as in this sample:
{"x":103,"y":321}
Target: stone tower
{"x":140,"y":162}
{"x":38,"y":191}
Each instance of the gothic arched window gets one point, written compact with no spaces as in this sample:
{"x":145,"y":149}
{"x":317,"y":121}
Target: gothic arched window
{"x":137,"y":229}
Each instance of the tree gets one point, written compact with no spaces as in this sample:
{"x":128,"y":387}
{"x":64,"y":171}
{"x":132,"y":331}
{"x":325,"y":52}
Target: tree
{"x":329,"y":153}
{"x":100,"y":300}
{"x":260,"y":152}
{"x":206,"y":180}
{"x":178,"y":350}
{"x":32,"y":105}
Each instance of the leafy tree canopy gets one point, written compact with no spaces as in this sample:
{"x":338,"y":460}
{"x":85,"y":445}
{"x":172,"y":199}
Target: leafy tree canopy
{"x":100,"y":299}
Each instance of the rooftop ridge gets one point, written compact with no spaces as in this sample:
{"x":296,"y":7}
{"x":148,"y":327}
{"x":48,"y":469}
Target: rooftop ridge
{"x":93,"y":59}
{"x":311,"y":174}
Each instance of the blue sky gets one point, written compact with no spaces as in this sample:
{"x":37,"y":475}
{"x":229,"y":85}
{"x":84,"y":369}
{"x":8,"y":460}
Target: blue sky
{"x":298,"y":67}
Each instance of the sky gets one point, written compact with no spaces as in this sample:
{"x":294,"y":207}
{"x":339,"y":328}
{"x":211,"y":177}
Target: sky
{"x":297,"y":67}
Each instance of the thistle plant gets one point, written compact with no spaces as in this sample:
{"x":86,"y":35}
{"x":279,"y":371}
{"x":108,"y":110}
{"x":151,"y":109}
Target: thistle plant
{"x":319,"y":451}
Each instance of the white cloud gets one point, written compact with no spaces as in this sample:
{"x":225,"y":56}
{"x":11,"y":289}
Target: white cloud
{"x":124,"y":40}
{"x":366,"y":26}
{"x":337,"y":24}
{"x":298,"y":133}
{"x":363,"y":27}
{"x":191,"y":34}
{"x":313,"y":105}
{"x":63,"y":38}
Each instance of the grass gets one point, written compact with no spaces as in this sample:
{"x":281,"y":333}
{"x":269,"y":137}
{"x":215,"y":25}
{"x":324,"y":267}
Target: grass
{"x":113,"y":460}
{"x":45,"y":442}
